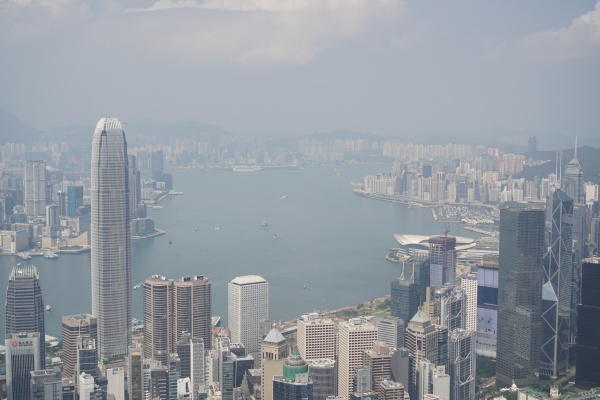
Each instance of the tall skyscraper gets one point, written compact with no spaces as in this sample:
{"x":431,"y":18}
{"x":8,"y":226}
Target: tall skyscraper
{"x":487,"y":306}
{"x":556,"y":292}
{"x":404,"y":298}
{"x":111,"y":238}
{"x":588,"y":345}
{"x":159,"y":338}
{"x":73,"y":327}
{"x":25,"y":305}
{"x":572,"y":180}
{"x":390,"y":330}
{"x":461,"y":364}
{"x":192,"y":308}
{"x":34,"y":188}
{"x":23,"y":355}
{"x":323,"y":375}
{"x":519,"y":296}
{"x":355,"y":336}
{"x":316,"y":337}
{"x":469,"y":285}
{"x":248,"y":305}
{"x":422,"y":342}
{"x":74,"y":199}
{"x":442,"y":260}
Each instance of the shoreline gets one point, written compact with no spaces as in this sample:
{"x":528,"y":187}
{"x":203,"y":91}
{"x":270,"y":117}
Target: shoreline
{"x":156,"y":232}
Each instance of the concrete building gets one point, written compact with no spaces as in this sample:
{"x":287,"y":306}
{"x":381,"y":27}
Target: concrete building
{"x":116,"y":383}
{"x":469,"y":286}
{"x":248,"y":304}
{"x":487,"y":306}
{"x":74,"y":326}
{"x":442,"y":260}
{"x":46,"y":384}
{"x":159,"y":336}
{"x":422,"y":342}
{"x":355,"y":336}
{"x":111,"y":238}
{"x":192,"y":308}
{"x":25,"y":305}
{"x":274,"y":352}
{"x":323,"y":375}
{"x":379,"y":359}
{"x":316,"y":337}
{"x":390,"y":330}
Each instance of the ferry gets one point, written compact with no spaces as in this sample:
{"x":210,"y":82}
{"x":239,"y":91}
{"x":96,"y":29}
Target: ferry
{"x":247,"y":168}
{"x":24,"y":256}
{"x":50,"y":255}
{"x":48,"y":308}
{"x":264,"y":223}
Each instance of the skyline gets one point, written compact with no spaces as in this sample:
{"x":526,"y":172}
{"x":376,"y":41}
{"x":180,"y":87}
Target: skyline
{"x":287,"y":68}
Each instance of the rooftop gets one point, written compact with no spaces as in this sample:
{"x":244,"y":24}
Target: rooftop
{"x":248,"y":280}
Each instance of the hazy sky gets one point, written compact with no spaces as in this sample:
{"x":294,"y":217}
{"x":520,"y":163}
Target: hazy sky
{"x":301,"y":66}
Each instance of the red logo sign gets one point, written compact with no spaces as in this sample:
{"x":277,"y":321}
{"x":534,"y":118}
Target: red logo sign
{"x":15,"y":344}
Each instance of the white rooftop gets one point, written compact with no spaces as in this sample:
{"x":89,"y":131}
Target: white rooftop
{"x":248,"y":279}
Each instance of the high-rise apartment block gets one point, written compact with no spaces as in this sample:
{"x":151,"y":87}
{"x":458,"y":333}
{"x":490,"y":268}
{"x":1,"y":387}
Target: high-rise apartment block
{"x":355,"y":336}
{"x":442,"y":260}
{"x":25,"y":305}
{"x":73,"y":327}
{"x":520,"y":296}
{"x":34,"y":188}
{"x":111,"y":238}
{"x":316,"y":337}
{"x":172,"y":308}
{"x":248,"y":305}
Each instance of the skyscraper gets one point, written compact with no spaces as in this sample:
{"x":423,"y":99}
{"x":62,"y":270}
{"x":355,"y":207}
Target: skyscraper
{"x":442,"y":260}
{"x":487,"y":306}
{"x":73,"y":327}
{"x":316,"y":337}
{"x":34,"y":185}
{"x":404,"y":299}
{"x":469,"y":285}
{"x":192,"y":308}
{"x":74,"y":199}
{"x":159,"y":338}
{"x":22,"y":356}
{"x":461,"y":364}
{"x":111,"y":238}
{"x":248,"y":305}
{"x":422,"y":342}
{"x":25,"y":305}
{"x":556,"y":292}
{"x":519,"y":296}
{"x":572,"y":180}
{"x":588,"y":346}
{"x":355,"y":336}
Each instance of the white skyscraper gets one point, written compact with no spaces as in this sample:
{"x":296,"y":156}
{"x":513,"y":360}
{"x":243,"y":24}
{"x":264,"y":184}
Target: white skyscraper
{"x":248,"y":304}
{"x":34,"y":185}
{"x":111,"y":238}
{"x":469,"y":286}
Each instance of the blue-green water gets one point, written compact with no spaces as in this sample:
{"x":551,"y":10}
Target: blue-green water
{"x":328,"y":239}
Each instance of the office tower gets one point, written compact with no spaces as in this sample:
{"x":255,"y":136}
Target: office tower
{"x":461,"y":364}
{"x":74,"y":199}
{"x":23,"y":355}
{"x":588,"y":345}
{"x":61,"y":200}
{"x":197,"y":363}
{"x":579,"y":252}
{"x":87,"y":356}
{"x":487,"y":306}
{"x":25,"y":305}
{"x":134,"y":374}
{"x":404,"y":299}
{"x":34,"y":188}
{"x":111,"y":238}
{"x":390,"y":390}
{"x":442,"y":260}
{"x":247,"y":305}
{"x":295,"y":384}
{"x":422,"y":342}
{"x":157,"y":165}
{"x":520,"y":278}
{"x":86,"y":387}
{"x":242,"y":362}
{"x":52,"y":215}
{"x":402,"y":367}
{"x":556,"y":292}
{"x":135,"y":186}
{"x":275,"y":350}
{"x":469,"y":286}
{"x":379,"y":359}
{"x":74,"y":326}
{"x":46,"y":384}
{"x":192,"y":303}
{"x":116,"y":383}
{"x":572,"y":180}
{"x":159,"y":382}
{"x":453,"y":307}
{"x":390,"y":330}
{"x":440,"y":381}
{"x":418,"y":271}
{"x":159,"y":337}
{"x":323,"y":375}
{"x":316,"y":337}
{"x":363,"y":381}
{"x":354,"y":336}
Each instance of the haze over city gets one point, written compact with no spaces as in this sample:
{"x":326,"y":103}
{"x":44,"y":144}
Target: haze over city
{"x":284,"y":68}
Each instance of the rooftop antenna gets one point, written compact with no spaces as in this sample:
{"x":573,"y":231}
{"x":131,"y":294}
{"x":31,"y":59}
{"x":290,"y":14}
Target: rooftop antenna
{"x":447,"y":230}
{"x":402,"y":274}
{"x":575,"y":152}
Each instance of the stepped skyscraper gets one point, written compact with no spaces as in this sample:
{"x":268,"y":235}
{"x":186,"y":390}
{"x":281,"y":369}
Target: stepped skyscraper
{"x":111,"y":238}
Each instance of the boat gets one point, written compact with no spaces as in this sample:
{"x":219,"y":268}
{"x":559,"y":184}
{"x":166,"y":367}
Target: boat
{"x":196,"y":230}
{"x":275,"y":236}
{"x":24,"y":256}
{"x":50,"y":255}
{"x":48,"y":308}
{"x":304,"y":286}
{"x":170,"y":242}
{"x":138,"y":285}
{"x":264,"y":223}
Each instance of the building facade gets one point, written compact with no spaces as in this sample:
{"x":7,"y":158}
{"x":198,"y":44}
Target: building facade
{"x":111,"y":238}
{"x":316,"y":337}
{"x":442,"y":260}
{"x":34,"y":188}
{"x":23,"y":355}
{"x":73,"y":327}
{"x":588,"y":345}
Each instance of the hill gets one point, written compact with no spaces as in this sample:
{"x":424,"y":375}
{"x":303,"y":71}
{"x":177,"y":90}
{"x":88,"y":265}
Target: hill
{"x":589,"y":158}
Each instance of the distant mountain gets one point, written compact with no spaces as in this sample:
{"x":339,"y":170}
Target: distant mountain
{"x":343,"y":135}
{"x":12,"y":130}
{"x":589,"y":158}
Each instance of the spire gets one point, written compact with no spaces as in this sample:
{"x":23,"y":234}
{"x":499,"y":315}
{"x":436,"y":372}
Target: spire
{"x":575,"y":153}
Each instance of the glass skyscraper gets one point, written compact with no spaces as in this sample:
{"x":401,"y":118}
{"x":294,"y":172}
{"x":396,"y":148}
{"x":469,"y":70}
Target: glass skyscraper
{"x":520,"y":296}
{"x":111,"y":238}
{"x":588,"y":345}
{"x":25,"y":305}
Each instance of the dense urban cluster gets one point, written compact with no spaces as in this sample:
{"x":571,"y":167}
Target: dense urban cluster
{"x":530,"y":303}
